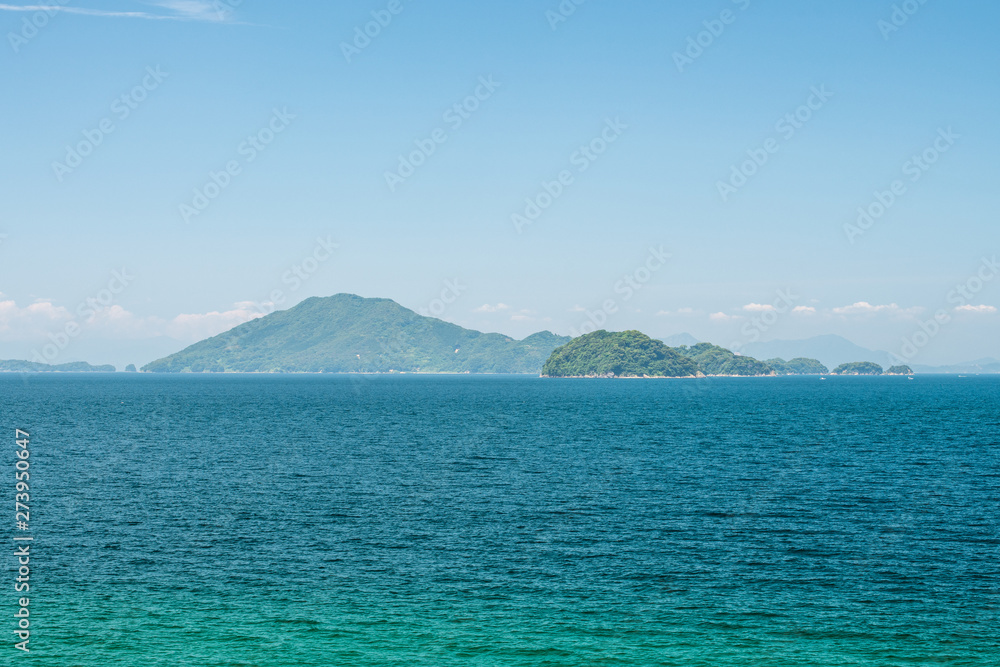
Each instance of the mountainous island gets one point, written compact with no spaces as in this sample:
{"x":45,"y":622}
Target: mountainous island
{"x":34,"y":367}
{"x":351,"y":334}
{"x":619,"y":354}
{"x":346,"y":333}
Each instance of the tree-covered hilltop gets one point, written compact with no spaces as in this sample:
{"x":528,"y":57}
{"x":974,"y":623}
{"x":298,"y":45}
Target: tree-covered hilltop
{"x":899,"y":370}
{"x":858,"y":368}
{"x":350,"y":334}
{"x":715,"y":360}
{"x":34,"y":367}
{"x":617,"y":354}
{"x":798,"y":366}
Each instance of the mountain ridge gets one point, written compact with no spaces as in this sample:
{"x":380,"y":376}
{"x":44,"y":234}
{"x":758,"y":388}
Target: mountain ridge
{"x":346,"y":333}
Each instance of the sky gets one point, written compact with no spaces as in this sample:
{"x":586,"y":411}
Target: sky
{"x":734,"y":169}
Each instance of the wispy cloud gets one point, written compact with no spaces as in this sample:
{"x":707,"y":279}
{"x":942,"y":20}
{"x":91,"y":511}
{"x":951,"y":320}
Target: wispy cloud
{"x":487,"y":308}
{"x":804,"y":310}
{"x":969,"y":308}
{"x":39,"y":319}
{"x":176,"y":10}
{"x":758,"y":307}
{"x":865,"y":308}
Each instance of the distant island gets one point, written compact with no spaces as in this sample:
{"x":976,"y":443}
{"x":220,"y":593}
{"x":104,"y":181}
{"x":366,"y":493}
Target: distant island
{"x":858,"y":368}
{"x":715,"y":360}
{"x":351,"y":334}
{"x":870,"y":368}
{"x":797,"y":366}
{"x":626,"y":354}
{"x":630,"y":354}
{"x":34,"y":367}
{"x":346,"y":333}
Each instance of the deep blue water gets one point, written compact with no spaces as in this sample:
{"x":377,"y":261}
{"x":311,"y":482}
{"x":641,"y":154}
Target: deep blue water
{"x":423,"y":520}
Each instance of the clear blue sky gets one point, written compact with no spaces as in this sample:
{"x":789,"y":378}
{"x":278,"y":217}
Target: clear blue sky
{"x":679,"y":130}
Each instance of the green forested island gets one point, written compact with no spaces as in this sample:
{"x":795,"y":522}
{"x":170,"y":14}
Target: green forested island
{"x":34,"y":367}
{"x":633,"y":354}
{"x":346,"y":333}
{"x":858,"y":368}
{"x":619,"y":354}
{"x":715,"y":360}
{"x":899,"y":370}
{"x":797,"y":366}
{"x":351,"y":334}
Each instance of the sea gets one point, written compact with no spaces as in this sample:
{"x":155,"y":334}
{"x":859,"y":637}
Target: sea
{"x":258,"y":520}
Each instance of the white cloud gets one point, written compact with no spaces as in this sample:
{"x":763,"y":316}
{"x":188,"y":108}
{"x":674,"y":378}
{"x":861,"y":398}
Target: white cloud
{"x":758,"y":307}
{"x":42,"y":318}
{"x":487,"y":308}
{"x":520,"y":318}
{"x":720,"y":317}
{"x":968,"y":308}
{"x":865,"y":308}
{"x":180,"y":10}
{"x":804,"y":310}
{"x":679,"y":311}
{"x":198,"y":326}
{"x":32,"y":321}
{"x":577,"y":309}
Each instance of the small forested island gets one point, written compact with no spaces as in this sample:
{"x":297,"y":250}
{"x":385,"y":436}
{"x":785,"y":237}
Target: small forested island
{"x":797,"y":366}
{"x":899,"y":370}
{"x":634,"y":354}
{"x":715,"y":360}
{"x":34,"y":367}
{"x":858,"y":368}
{"x":618,"y":355}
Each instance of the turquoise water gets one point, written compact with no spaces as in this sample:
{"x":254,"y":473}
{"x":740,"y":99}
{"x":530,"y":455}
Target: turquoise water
{"x":280,"y":520}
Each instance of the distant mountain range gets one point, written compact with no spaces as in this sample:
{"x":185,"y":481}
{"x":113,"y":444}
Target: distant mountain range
{"x":350,"y":334}
{"x":681,"y":340}
{"x":987,"y":365}
{"x":831,"y":350}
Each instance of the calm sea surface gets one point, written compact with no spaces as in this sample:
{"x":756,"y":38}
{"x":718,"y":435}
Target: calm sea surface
{"x":407,"y":520}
